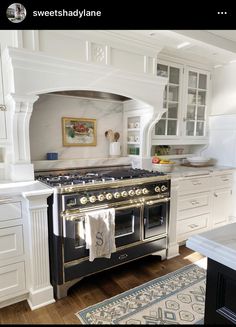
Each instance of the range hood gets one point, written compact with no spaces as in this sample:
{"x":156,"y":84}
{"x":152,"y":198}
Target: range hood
{"x":31,"y":73}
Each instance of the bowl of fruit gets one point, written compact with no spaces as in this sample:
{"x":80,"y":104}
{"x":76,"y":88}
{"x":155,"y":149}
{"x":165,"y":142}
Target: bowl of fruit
{"x":162,"y":165}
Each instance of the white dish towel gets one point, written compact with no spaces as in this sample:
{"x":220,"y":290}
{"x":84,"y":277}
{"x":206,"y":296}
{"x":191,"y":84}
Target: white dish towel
{"x":100,"y":233}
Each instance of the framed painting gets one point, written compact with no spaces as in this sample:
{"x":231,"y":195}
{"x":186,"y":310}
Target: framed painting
{"x":79,"y":131}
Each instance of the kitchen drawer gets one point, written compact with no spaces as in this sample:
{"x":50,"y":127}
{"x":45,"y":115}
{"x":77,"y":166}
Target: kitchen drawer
{"x":11,"y":242}
{"x":12,"y":278}
{"x":194,"y":204}
{"x":194,"y":185}
{"x":193,"y":225}
{"x":225,"y":180}
{"x":9,"y":210}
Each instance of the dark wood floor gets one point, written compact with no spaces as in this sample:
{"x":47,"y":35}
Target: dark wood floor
{"x":96,"y":288}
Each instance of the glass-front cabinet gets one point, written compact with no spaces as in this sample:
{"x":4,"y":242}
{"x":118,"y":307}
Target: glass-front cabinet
{"x":196,"y":102}
{"x":168,"y":125}
{"x":186,"y":100}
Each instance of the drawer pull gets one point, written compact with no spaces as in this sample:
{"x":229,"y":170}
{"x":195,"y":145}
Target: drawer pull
{"x":225,"y":179}
{"x":193,"y":226}
{"x":197,"y":183}
{"x":216,"y":195}
{"x":194,"y":202}
{"x":123,"y":256}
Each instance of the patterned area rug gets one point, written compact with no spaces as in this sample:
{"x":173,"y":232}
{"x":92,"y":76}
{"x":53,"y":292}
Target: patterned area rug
{"x":176,"y":298}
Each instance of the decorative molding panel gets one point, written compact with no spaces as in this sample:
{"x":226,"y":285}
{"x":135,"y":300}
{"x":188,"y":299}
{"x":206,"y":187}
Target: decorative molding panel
{"x":41,"y":291}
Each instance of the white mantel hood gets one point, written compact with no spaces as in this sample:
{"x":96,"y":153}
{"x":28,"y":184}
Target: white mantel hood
{"x":31,"y":73}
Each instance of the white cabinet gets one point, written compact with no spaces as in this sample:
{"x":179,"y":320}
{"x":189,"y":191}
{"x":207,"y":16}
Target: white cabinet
{"x":196,"y":101}
{"x":12,"y":251}
{"x":3,"y":131}
{"x":193,"y":206}
{"x":186,"y":99}
{"x":203,"y":203}
{"x":168,"y":125}
{"x":222,"y":199}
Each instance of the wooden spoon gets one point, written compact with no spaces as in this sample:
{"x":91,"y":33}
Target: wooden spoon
{"x":116,"y":136}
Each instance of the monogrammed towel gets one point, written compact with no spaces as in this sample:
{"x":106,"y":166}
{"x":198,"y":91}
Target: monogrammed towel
{"x":100,"y":233}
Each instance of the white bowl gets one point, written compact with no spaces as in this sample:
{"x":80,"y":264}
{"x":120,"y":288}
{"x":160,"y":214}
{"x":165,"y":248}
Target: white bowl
{"x":198,"y":161}
{"x":163,"y":168}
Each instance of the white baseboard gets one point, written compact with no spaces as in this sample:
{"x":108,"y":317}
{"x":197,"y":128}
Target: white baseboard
{"x":40,"y":298}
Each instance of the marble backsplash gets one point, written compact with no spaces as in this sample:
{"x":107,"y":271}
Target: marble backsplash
{"x":46,"y":126}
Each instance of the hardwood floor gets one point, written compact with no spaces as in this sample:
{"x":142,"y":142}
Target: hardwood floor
{"x":96,"y":288}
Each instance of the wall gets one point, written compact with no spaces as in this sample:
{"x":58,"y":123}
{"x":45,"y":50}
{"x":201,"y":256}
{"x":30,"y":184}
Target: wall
{"x":224,"y":86}
{"x":46,"y":131}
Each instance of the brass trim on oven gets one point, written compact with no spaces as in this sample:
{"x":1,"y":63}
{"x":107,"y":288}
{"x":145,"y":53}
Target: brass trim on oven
{"x":111,"y":184}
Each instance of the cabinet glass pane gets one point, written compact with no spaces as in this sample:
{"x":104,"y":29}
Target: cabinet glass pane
{"x":173,"y":110}
{"x":192,"y":94}
{"x":200,"y":113}
{"x":190,"y":128}
{"x":200,"y":128}
{"x":173,"y":93}
{"x":174,"y":75}
{"x":164,"y":104}
{"x":164,"y":115}
{"x":202,"y":81}
{"x":165,"y":93}
{"x":160,"y":127}
{"x":162,"y":70}
{"x":191,"y":112}
{"x":171,"y":127}
{"x":202,"y":97}
{"x":192,"y":79}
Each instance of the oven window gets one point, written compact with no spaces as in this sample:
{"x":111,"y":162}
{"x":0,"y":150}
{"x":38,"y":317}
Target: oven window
{"x":124,"y":223}
{"x":155,"y":217}
{"x":79,"y":233}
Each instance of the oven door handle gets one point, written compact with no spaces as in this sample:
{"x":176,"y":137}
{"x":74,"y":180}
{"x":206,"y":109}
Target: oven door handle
{"x":151,"y":202}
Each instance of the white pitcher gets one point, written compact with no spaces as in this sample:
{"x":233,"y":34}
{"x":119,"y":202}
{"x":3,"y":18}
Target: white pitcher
{"x":114,"y":149}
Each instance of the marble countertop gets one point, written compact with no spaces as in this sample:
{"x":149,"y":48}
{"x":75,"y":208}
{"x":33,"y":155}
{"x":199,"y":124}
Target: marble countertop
{"x":184,"y":171}
{"x":10,"y":188}
{"x":218,"y":244}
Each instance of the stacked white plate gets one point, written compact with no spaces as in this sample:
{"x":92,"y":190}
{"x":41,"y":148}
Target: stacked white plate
{"x":198,"y":161}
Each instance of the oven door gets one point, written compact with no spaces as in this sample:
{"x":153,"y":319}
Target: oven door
{"x":127,"y":230}
{"x":155,"y":218}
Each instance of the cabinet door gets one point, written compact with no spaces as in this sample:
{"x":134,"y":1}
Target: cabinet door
{"x":222,"y":204}
{"x":2,"y":124}
{"x":168,"y":125}
{"x":197,"y":88}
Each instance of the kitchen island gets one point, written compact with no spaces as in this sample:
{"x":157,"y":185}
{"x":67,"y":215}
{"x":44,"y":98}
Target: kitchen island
{"x":219,"y":245}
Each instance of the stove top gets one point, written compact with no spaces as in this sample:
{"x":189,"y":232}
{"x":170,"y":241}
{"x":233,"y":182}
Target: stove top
{"x":81,"y":178}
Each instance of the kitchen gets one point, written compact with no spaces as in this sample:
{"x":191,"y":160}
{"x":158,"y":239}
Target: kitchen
{"x":125,"y":81}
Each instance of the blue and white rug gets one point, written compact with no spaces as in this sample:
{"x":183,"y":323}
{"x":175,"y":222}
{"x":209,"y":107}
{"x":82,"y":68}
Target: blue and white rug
{"x":176,"y":298}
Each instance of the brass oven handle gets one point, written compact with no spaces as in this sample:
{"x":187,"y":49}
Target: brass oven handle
{"x":80,"y":215}
{"x":151,"y":202}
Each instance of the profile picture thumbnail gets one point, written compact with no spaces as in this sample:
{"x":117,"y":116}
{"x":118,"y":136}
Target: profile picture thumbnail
{"x":16,"y":13}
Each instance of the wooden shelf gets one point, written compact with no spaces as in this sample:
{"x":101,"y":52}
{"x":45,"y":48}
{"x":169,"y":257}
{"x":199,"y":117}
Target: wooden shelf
{"x":134,"y":143}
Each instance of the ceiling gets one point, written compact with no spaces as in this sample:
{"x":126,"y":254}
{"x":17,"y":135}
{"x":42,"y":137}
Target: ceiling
{"x":209,"y":47}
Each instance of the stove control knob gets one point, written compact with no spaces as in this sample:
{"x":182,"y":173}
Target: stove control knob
{"x":138,"y":191}
{"x":108,"y":196}
{"x":101,"y":197}
{"x":131,"y":192}
{"x":157,"y":189}
{"x":163,"y":188}
{"x":145,"y":190}
{"x":83,"y":200}
{"x":124,"y":194}
{"x":116,"y":195}
{"x":92,"y":199}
